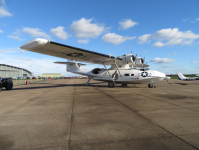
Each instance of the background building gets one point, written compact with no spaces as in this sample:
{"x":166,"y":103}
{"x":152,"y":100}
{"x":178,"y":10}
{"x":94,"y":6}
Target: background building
{"x":53,"y":75}
{"x":12,"y":71}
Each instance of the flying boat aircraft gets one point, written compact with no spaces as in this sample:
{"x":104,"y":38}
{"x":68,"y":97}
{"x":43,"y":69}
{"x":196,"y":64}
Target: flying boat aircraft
{"x":125,"y":69}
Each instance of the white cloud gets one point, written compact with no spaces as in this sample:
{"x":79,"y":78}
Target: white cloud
{"x":15,"y":37}
{"x":59,"y":32}
{"x":115,"y":39}
{"x":194,"y":62}
{"x":197,"y":19}
{"x":1,"y":31}
{"x":162,"y":60}
{"x":35,"y":32}
{"x":169,"y":66}
{"x":83,"y":41}
{"x":127,"y":23}
{"x":192,"y":21}
{"x":3,"y":11}
{"x":172,"y":54}
{"x":144,"y":51}
{"x":11,"y":50}
{"x":4,"y":51}
{"x":171,"y":36}
{"x":83,"y":28}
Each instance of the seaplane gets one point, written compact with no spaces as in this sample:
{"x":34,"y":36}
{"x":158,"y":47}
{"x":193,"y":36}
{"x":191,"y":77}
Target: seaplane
{"x":183,"y":78}
{"x":125,"y":69}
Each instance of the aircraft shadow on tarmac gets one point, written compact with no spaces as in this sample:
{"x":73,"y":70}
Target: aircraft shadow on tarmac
{"x":68,"y":85}
{"x":180,"y":83}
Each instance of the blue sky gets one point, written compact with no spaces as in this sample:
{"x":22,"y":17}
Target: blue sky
{"x":166,"y":33}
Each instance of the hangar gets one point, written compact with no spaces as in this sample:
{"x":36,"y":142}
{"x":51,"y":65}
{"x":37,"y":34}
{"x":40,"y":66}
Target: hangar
{"x":12,"y":71}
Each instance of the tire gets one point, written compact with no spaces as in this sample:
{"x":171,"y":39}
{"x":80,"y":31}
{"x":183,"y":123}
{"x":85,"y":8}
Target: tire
{"x":150,"y":85}
{"x":8,"y":85}
{"x":0,"y":86}
{"x":111,"y":84}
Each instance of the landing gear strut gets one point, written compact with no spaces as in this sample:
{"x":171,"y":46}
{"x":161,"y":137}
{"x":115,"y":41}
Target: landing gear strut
{"x":150,"y":85}
{"x":111,"y":84}
{"x":124,"y":84}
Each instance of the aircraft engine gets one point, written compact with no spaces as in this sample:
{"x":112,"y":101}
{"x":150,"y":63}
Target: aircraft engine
{"x":139,"y":61}
{"x":129,"y":59}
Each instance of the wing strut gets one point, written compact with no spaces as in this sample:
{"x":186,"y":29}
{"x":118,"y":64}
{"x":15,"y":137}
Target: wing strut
{"x":117,"y":67}
{"x":108,"y":72}
{"x":89,"y":80}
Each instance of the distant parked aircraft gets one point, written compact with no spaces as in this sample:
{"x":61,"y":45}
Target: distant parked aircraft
{"x":182,"y":77}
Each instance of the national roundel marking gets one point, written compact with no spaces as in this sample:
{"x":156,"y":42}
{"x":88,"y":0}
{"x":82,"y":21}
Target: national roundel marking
{"x":144,"y":74}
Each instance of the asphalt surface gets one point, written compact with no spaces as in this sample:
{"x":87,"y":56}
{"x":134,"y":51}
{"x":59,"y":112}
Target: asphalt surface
{"x":66,"y":114}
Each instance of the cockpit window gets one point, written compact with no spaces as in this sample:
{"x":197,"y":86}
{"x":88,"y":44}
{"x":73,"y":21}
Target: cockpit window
{"x":132,"y":74}
{"x":126,"y":74}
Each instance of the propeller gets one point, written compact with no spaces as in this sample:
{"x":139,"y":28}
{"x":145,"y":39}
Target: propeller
{"x":134,"y":57}
{"x":143,"y":60}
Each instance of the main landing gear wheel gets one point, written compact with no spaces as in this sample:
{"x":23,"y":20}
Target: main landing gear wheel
{"x":124,"y":84}
{"x":111,"y":84}
{"x":0,"y":86}
{"x":8,"y":85}
{"x":150,"y":85}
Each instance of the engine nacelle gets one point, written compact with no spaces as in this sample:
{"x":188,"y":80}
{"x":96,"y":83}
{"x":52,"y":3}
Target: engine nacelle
{"x":139,"y":61}
{"x":127,"y":59}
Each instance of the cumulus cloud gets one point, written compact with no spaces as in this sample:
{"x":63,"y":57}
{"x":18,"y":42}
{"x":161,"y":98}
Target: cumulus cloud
{"x":197,"y":19}
{"x":162,"y":60}
{"x":4,"y":51}
{"x":3,"y":9}
{"x":59,"y":33}
{"x":185,"y":19}
{"x":127,"y":23}
{"x":10,"y":50}
{"x":1,"y":31}
{"x":83,"y":41}
{"x":170,"y":36}
{"x":172,"y":54}
{"x":194,"y":62}
{"x":115,"y":39}
{"x":35,"y":32}
{"x":83,"y":28}
{"x":169,"y":66}
{"x":15,"y":37}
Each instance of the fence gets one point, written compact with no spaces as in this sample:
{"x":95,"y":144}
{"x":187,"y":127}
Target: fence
{"x":30,"y":81}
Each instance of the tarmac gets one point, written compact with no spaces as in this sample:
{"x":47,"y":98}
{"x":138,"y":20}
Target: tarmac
{"x":66,"y":114}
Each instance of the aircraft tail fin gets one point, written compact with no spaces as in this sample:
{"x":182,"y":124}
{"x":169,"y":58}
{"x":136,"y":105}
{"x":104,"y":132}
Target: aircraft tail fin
{"x":180,"y":76}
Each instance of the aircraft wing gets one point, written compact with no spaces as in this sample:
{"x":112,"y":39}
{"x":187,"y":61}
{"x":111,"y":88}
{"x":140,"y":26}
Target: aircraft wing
{"x":44,"y":46}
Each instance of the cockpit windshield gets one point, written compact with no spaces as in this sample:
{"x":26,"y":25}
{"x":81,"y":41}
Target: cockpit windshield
{"x":145,"y":69}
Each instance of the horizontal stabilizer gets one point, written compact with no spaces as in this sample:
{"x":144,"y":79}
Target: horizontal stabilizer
{"x":70,"y":63}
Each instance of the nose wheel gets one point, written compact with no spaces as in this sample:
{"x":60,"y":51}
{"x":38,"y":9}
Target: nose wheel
{"x":111,"y":84}
{"x":150,"y":85}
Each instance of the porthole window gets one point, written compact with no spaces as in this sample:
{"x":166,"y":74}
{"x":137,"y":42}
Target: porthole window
{"x":126,"y":74}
